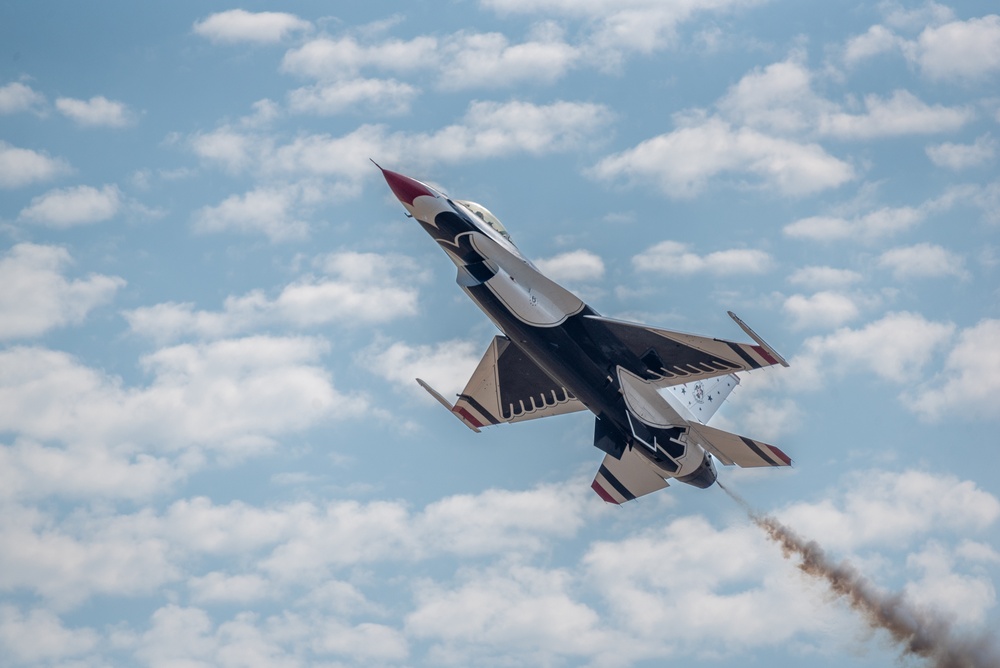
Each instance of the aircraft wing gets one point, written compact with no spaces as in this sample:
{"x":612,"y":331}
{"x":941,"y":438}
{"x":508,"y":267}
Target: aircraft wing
{"x":668,"y":358}
{"x":508,"y":387}
{"x":621,"y":480}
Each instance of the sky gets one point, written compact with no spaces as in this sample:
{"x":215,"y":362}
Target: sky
{"x":213,"y":451}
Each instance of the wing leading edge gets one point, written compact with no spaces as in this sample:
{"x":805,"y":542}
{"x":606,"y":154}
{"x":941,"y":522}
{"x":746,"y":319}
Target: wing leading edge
{"x":668,"y":358}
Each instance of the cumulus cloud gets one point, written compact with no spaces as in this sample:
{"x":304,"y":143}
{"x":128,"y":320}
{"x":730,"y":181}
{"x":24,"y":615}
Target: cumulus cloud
{"x":578,"y":265}
{"x":779,"y":100}
{"x":877,"y":40}
{"x":21,"y":166}
{"x":489,"y":60}
{"x":895,"y":348}
{"x":40,"y":636}
{"x":970,"y":382}
{"x":384,"y":96}
{"x":923,"y":260}
{"x":681,"y":162}
{"x":488,"y":130}
{"x":824,"y":277}
{"x":880,"y":508}
{"x":37,"y":296}
{"x":354,"y":289}
{"x":67,"y":207}
{"x":98,"y":111}
{"x":882,"y":222}
{"x":901,"y":114}
{"x":17,"y":97}
{"x":962,"y":156}
{"x":968,"y":50}
{"x":503,"y":613}
{"x":268,"y":211}
{"x":673,"y":257}
{"x":328,"y":58}
{"x":446,"y":366}
{"x":238,"y":25}
{"x":820,"y":310}
{"x":624,"y":26}
{"x":233,"y":397}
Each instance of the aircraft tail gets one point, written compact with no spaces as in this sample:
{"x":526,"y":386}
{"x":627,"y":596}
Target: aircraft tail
{"x":732,"y":449}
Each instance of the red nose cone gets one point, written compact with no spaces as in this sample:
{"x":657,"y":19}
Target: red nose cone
{"x":405,"y":188}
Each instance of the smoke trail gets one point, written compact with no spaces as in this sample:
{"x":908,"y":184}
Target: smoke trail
{"x":917,"y":631}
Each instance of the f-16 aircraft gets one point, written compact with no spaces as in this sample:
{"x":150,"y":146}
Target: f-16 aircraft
{"x":652,"y":390}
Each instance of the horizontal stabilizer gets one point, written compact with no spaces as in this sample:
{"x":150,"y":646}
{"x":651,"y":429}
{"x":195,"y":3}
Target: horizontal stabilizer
{"x":621,"y":480}
{"x":508,"y":386}
{"x":734,"y":449}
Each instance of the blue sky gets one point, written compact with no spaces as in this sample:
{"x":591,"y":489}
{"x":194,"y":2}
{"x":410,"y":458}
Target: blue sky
{"x":212,"y":309}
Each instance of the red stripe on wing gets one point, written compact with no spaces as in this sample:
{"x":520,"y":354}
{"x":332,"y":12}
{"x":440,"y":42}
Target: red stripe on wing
{"x":596,"y":486}
{"x":760,"y":350}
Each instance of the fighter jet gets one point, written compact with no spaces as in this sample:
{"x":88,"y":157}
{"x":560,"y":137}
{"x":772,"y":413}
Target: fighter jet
{"x":652,"y":390}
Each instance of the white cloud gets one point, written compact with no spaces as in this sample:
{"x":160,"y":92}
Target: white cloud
{"x":16,"y":97}
{"x":873,"y":225}
{"x":235,"y":151}
{"x":968,"y":50}
{"x":578,"y":265}
{"x":901,"y":114}
{"x":913,"y":19}
{"x":644,"y":595}
{"x":820,"y":310}
{"x":970,"y":382}
{"x":384,"y":96}
{"x":488,"y":130}
{"x":877,"y":40}
{"x":326,"y":59}
{"x":895,"y":348}
{"x":445,"y":366}
{"x":878,"y":508}
{"x":778,"y":99}
{"x":522,"y":615}
{"x":65,"y":567}
{"x":963,"y":598}
{"x":824,"y":277}
{"x":187,"y":636}
{"x":923,"y":260}
{"x":962,"y":156}
{"x":488,"y":60}
{"x":238,"y":25}
{"x":673,"y":257}
{"x":67,"y":207}
{"x":40,"y":636}
{"x":360,"y":289}
{"x":234,"y":398}
{"x":216,"y":587}
{"x":268,"y":211}
{"x":98,"y":111}
{"x":682,"y":162}
{"x":624,"y":25}
{"x":37,"y":296}
{"x":21,"y":166}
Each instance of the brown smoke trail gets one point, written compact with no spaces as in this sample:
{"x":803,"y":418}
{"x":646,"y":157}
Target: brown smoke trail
{"x":917,"y":631}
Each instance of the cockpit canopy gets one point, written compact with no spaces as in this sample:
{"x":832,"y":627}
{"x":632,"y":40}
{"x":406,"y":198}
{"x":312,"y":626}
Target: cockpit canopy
{"x":486,"y":217}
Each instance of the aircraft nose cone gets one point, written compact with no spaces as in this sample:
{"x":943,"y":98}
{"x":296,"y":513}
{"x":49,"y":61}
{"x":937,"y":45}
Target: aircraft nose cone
{"x":404,"y":188}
